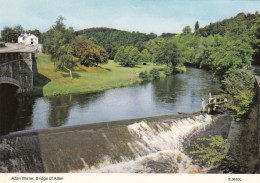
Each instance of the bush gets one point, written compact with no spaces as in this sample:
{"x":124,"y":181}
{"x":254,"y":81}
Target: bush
{"x":211,"y":151}
{"x":180,"y":69}
{"x":155,"y":74}
{"x":145,"y":76}
{"x":239,"y":85}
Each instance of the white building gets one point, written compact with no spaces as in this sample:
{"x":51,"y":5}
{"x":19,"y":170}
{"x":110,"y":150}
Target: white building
{"x":28,"y":39}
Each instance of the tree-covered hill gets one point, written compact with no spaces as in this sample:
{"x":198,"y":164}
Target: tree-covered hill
{"x":242,"y":24}
{"x":240,"y":21}
{"x":112,"y":39}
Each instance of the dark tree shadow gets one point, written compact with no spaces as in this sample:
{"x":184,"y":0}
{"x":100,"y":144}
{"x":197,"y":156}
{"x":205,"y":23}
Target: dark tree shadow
{"x":39,"y":80}
{"x":74,"y":75}
{"x":128,"y":66}
{"x":107,"y":69}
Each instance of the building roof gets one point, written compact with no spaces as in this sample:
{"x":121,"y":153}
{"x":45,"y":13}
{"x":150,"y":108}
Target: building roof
{"x":26,"y":35}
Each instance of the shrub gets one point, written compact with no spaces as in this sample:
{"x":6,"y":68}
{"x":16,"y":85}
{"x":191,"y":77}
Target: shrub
{"x":145,"y":76}
{"x":239,"y":85}
{"x":212,"y":151}
{"x":155,"y":74}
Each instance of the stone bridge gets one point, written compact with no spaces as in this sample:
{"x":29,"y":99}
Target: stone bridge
{"x":16,"y":68}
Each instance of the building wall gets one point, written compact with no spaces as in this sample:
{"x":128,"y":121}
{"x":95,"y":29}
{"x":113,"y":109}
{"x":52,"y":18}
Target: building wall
{"x":20,"y":39}
{"x":27,"y":40}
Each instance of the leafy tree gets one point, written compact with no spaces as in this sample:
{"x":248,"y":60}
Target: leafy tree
{"x":145,"y":56}
{"x":212,"y":152}
{"x":155,"y":73}
{"x":233,"y":55}
{"x":197,"y":26}
{"x":66,"y":59}
{"x":169,"y":52}
{"x":112,"y":39}
{"x":19,"y":30}
{"x":8,"y":34}
{"x":151,"y":36}
{"x":56,"y":37}
{"x":239,"y":84}
{"x":186,"y":30}
{"x":167,"y":35}
{"x":127,"y":56}
{"x":89,"y":53}
{"x":145,"y":76}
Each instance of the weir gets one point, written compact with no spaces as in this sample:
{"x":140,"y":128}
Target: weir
{"x":152,"y":145}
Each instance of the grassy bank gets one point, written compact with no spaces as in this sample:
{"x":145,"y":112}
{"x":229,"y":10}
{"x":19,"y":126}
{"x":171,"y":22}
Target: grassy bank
{"x":49,"y":82}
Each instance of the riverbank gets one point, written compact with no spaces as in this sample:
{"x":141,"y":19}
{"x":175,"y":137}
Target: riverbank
{"x":48,"y":82}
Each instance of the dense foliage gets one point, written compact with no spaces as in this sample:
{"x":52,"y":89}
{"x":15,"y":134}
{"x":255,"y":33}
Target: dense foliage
{"x":9,"y":34}
{"x":127,"y":56}
{"x":154,"y":74}
{"x":217,"y":153}
{"x":240,"y":23}
{"x":211,"y":151}
{"x":66,"y":50}
{"x":89,"y":53}
{"x":239,"y":85}
{"x":112,"y":39}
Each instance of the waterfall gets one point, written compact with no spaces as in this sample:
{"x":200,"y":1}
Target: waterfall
{"x":141,"y":147}
{"x":157,"y":148}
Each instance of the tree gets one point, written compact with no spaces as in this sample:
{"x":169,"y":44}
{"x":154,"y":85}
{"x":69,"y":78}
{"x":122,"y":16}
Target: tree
{"x":145,"y":56}
{"x":66,"y":59}
{"x":19,"y":30}
{"x":197,"y":26}
{"x":213,"y":152}
{"x":55,"y":37}
{"x":239,"y":84}
{"x":9,"y":35}
{"x":89,"y":53}
{"x":169,"y":52}
{"x":230,"y":56}
{"x":127,"y":56}
{"x":186,"y":30}
{"x":151,"y":36}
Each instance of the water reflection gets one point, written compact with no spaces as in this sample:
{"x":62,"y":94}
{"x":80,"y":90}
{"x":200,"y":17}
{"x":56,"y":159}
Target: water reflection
{"x":179,"y":93}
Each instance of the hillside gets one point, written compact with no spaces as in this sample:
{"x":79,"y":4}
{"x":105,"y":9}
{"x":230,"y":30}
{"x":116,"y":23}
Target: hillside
{"x":242,"y":24}
{"x":241,"y":21}
{"x":112,"y":39}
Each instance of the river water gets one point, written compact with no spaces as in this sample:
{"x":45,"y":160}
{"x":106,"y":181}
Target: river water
{"x":87,"y":140}
{"x":179,"y":93}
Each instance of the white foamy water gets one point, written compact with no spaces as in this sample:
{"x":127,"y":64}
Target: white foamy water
{"x":157,"y":148}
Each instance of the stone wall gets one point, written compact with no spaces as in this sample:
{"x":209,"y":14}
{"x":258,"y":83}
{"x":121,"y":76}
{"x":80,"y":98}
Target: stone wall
{"x":258,"y":115}
{"x":16,"y":69}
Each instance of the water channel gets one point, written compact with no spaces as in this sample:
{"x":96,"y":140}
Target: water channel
{"x":178,"y":93}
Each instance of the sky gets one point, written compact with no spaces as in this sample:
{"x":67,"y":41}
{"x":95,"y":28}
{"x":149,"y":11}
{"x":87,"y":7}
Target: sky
{"x":146,"y":16}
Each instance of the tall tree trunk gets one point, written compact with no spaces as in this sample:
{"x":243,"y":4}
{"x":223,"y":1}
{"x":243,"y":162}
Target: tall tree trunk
{"x":69,"y":71}
{"x":70,"y":74}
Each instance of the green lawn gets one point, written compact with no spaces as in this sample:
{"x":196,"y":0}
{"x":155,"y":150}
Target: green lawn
{"x":50,"y":82}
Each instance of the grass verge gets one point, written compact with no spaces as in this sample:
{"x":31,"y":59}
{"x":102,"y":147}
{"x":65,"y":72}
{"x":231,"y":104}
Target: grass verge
{"x":49,"y":82}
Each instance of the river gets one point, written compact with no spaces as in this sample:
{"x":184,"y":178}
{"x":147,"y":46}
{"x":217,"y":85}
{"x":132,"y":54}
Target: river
{"x":76,"y":133}
{"x":178,"y":93}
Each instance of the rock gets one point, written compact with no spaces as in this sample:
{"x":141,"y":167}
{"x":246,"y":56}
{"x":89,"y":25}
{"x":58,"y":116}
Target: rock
{"x":5,"y":153}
